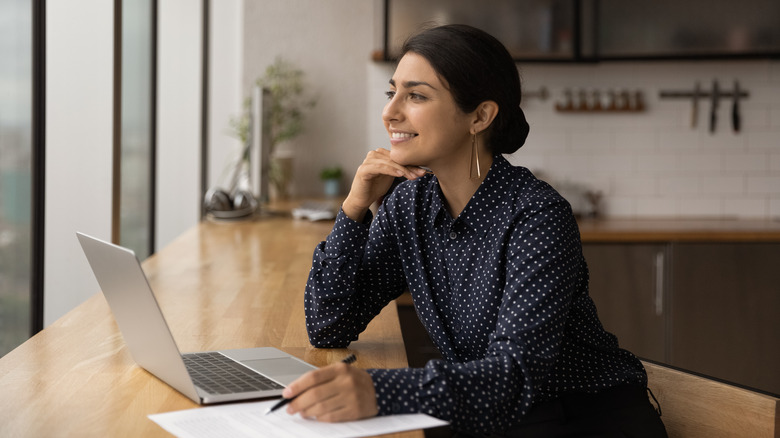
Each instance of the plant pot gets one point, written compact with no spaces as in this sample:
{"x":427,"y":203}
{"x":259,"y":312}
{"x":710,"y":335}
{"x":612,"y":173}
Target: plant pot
{"x":331,"y":187}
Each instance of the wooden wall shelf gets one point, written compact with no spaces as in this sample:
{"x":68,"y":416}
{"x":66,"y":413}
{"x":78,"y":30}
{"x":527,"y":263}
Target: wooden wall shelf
{"x":597,"y":101}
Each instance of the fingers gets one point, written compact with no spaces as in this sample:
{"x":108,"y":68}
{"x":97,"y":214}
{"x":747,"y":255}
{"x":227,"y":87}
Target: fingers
{"x":378,"y":162}
{"x":372,"y":180}
{"x":338,"y":392}
{"x":308,"y":380}
{"x":330,"y":409}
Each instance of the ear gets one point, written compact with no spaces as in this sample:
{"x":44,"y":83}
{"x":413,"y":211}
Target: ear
{"x":483,"y":116}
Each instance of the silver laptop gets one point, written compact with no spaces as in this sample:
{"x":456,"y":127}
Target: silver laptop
{"x":207,"y":377}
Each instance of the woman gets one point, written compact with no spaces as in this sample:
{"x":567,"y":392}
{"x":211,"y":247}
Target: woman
{"x":491,"y":256}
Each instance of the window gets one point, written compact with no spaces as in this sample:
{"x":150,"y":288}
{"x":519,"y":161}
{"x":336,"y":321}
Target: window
{"x":136,"y":191}
{"x":21,"y":146}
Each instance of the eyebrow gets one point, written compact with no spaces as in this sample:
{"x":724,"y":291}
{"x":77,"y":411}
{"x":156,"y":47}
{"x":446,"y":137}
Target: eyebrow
{"x":410,"y":84}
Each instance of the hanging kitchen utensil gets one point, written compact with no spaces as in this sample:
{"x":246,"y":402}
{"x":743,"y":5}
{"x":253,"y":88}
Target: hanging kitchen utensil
{"x":695,"y":105}
{"x":736,"y":117}
{"x":697,"y":94}
{"x":715,"y":103}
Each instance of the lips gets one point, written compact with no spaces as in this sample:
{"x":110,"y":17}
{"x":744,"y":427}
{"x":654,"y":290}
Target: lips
{"x":399,"y":137}
{"x":402,"y":135}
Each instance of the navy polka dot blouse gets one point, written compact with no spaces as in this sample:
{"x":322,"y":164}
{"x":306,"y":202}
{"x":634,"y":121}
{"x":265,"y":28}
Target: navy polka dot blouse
{"x":502,"y":290}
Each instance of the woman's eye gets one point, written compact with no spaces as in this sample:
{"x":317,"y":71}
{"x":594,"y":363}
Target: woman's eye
{"x":412,"y":96}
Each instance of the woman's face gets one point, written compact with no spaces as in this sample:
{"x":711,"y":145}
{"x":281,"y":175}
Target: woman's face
{"x":425,"y":125}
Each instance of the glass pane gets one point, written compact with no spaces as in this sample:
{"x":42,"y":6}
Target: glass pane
{"x":692,"y":27}
{"x":135,"y":226}
{"x":15,"y":171}
{"x":528,"y":29}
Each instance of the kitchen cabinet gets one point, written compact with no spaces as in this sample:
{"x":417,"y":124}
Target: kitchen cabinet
{"x":711,"y":308}
{"x":627,"y":285}
{"x":595,"y":30}
{"x":647,"y":29}
{"x":539,"y":29}
{"x":725,"y":312}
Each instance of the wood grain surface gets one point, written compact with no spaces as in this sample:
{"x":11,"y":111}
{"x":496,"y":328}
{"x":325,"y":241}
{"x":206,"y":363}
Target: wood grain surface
{"x":220,"y":286}
{"x":679,"y":230}
{"x":693,"y":406}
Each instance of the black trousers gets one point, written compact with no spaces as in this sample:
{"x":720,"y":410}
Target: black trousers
{"x":623,"y":411}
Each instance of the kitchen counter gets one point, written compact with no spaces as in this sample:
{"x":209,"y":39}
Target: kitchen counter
{"x":679,"y":230}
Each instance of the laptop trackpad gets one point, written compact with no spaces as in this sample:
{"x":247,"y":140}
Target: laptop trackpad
{"x":283,"y":370}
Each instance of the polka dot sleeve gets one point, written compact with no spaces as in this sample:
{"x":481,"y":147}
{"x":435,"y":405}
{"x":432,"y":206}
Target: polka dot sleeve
{"x":350,"y":281}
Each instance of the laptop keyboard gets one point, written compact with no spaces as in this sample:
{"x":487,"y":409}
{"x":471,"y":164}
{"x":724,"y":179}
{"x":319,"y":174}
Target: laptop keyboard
{"x":218,"y":374}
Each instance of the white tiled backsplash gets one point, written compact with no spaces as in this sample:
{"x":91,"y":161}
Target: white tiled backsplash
{"x":650,"y":164}
{"x":654,"y":164}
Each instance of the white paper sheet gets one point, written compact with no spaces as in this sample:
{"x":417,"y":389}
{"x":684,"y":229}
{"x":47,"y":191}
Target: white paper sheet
{"x":249,"y":420}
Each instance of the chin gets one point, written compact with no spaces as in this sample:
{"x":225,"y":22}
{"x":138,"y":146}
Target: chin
{"x":400,"y":157}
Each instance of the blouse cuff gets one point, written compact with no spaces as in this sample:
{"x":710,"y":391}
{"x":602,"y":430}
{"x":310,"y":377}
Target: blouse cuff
{"x":396,"y":390}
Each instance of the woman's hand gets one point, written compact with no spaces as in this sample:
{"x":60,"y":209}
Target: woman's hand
{"x":372,"y":180}
{"x":338,"y":392}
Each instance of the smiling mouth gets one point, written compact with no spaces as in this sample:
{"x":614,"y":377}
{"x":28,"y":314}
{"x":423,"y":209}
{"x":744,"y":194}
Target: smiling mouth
{"x":401,"y":135}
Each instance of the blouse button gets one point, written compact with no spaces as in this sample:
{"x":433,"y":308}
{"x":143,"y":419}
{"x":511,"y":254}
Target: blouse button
{"x":453,"y":235}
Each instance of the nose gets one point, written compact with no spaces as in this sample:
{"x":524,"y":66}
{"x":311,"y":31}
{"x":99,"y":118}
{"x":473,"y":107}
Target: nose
{"x":392,"y":111}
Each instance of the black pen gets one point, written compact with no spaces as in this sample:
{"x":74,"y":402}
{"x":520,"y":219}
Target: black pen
{"x":347,"y":360}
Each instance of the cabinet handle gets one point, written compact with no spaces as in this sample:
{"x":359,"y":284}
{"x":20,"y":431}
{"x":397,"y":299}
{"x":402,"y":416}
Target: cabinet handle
{"x":659,"y":283}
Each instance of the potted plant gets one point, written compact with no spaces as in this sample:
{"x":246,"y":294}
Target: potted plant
{"x":331,"y":177}
{"x":289,"y":103}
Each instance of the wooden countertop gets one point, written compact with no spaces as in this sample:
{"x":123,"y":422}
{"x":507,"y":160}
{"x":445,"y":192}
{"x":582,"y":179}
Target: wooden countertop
{"x":679,"y":230}
{"x":220,"y":285}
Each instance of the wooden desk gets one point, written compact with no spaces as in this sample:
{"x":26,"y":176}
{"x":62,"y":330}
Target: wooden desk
{"x":220,"y":285}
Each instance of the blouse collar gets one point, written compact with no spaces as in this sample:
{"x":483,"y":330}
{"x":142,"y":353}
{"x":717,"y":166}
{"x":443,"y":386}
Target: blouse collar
{"x":478,"y":212}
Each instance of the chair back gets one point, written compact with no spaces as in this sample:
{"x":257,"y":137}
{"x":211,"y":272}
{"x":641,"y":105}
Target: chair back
{"x":694,"y":406}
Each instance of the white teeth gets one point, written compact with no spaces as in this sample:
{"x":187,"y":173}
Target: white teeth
{"x":401,"y":135}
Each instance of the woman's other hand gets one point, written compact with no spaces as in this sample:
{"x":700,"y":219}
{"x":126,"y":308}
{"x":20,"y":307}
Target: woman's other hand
{"x":335,"y":393}
{"x":372,"y":180}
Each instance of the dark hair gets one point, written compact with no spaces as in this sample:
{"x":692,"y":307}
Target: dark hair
{"x":476,"y":67}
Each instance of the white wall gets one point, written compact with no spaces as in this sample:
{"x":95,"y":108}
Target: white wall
{"x":332,"y":42}
{"x":178,"y":118}
{"x":225,"y":96}
{"x":654,"y":164}
{"x":79,"y":81}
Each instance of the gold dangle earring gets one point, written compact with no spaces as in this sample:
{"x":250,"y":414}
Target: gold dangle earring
{"x":474,"y":157}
